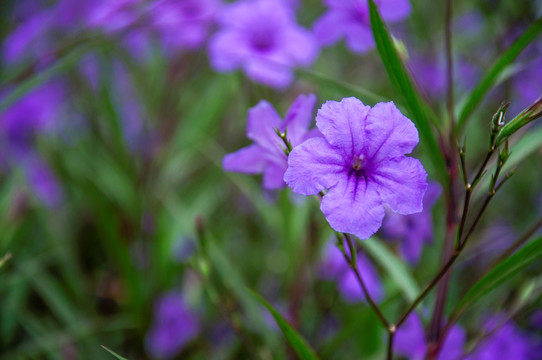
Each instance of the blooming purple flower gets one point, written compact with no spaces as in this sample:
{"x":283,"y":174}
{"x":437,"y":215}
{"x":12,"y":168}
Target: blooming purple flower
{"x":266,"y":155}
{"x":184,"y":23}
{"x":263,"y":38}
{"x":506,"y":342}
{"x":410,"y":341}
{"x":174,"y":326}
{"x":413,"y":230}
{"x":335,"y":267}
{"x":361,"y":162}
{"x":350,"y":19}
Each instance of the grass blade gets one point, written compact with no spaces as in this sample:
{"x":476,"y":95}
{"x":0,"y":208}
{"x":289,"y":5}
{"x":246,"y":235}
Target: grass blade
{"x":419,"y":111}
{"x":300,"y":346}
{"x":113,"y":353}
{"x":493,"y":74}
{"x":510,"y":266}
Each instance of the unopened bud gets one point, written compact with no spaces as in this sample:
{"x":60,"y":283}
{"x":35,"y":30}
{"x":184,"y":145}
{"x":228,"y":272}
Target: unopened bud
{"x":533,"y":112}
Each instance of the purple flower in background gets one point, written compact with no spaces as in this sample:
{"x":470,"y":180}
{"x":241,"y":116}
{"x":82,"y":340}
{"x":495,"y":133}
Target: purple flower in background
{"x":412,"y":231}
{"x":527,"y":86}
{"x":263,"y":38}
{"x":350,"y":19}
{"x":184,"y":23}
{"x":361,"y":162}
{"x":113,"y":16}
{"x":174,"y":326}
{"x":506,"y":342}
{"x":266,"y":155}
{"x":335,"y":267}
{"x":410,"y":341}
{"x":43,"y":182}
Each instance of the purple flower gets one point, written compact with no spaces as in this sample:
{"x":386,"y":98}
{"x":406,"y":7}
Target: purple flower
{"x":350,"y":19}
{"x":335,"y":267}
{"x":506,"y":342}
{"x":184,"y":23}
{"x":414,"y":230}
{"x":360,"y":161}
{"x":266,"y":155}
{"x":174,"y":326}
{"x":410,"y":341}
{"x":527,"y":85}
{"x":263,"y":38}
{"x":113,"y":16}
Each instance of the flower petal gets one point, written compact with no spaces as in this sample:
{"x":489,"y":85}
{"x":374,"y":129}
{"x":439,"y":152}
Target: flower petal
{"x":273,"y":176}
{"x":410,"y":338}
{"x":391,"y":133}
{"x":354,"y":206}
{"x":401,"y":183}
{"x":330,"y":27}
{"x":300,"y":45}
{"x":262,"y":121}
{"x":343,"y":124}
{"x":313,"y":166}
{"x":248,"y":160}
{"x":299,"y":117}
{"x":359,"y":38}
{"x":269,"y":72}
{"x":227,"y":49}
{"x":394,"y":10}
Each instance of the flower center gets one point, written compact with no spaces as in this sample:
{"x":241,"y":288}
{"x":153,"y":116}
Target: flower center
{"x":357,"y":162}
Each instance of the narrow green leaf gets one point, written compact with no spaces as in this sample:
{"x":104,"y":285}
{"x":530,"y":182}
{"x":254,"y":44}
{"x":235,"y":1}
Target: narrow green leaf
{"x":4,"y":259}
{"x":510,"y":266}
{"x":300,"y":346}
{"x":419,"y":111}
{"x":113,"y":353}
{"x":495,"y":71}
{"x":396,"y":268}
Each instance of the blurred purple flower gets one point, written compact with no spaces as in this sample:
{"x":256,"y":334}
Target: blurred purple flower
{"x":263,"y":38}
{"x":335,"y":267}
{"x":184,"y":23}
{"x":113,"y":16}
{"x":527,"y":86}
{"x":430,"y":75}
{"x":174,"y":326}
{"x":410,"y":341}
{"x":412,"y":231}
{"x":361,"y":162}
{"x":43,"y":182}
{"x":506,"y":342}
{"x":266,"y":155}
{"x":350,"y":19}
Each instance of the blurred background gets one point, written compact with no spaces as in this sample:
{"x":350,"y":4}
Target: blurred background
{"x":119,"y":227}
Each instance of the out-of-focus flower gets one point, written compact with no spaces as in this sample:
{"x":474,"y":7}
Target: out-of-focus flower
{"x":412,"y":231}
{"x":266,"y":155}
{"x":34,"y":115}
{"x":263,"y":38}
{"x":334,"y":267}
{"x":350,"y":19}
{"x":113,"y":16}
{"x":506,"y":342}
{"x":410,"y":341}
{"x":430,"y":75}
{"x":361,"y":162}
{"x":174,"y":326}
{"x":527,"y":86}
{"x":183,"y":23}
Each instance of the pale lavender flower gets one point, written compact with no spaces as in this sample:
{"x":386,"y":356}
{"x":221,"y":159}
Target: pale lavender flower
{"x":506,"y":342}
{"x":410,"y":341}
{"x":174,"y":326}
{"x":184,"y":23}
{"x":361,"y":162}
{"x":266,"y":155}
{"x":262,"y":38}
{"x":334,"y":267}
{"x":350,"y":19}
{"x":413,"y":231}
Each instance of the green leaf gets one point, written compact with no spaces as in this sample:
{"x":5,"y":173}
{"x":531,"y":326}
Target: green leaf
{"x":508,"y":267}
{"x":419,"y":111}
{"x":396,"y":268}
{"x":113,"y":353}
{"x":4,"y":259}
{"x":300,"y":346}
{"x":495,"y":71}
